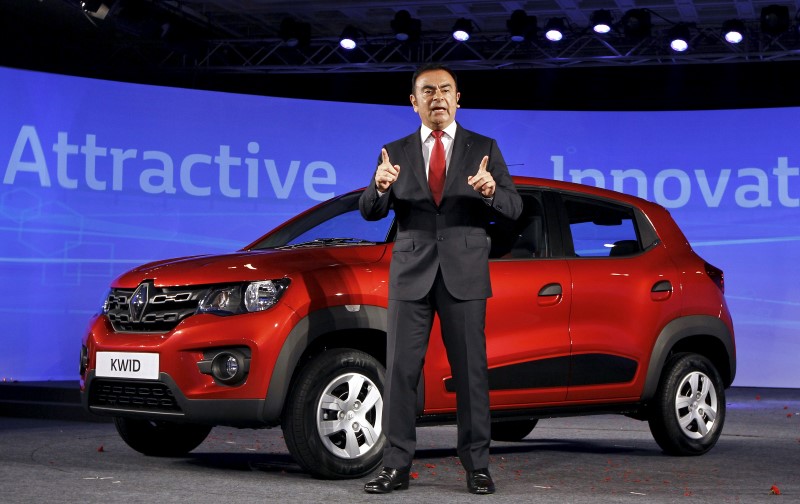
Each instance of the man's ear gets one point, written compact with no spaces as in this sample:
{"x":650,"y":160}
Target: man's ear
{"x":413,"y":101}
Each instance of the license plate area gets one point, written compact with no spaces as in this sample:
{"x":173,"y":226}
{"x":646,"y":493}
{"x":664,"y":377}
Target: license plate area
{"x":135,"y":365}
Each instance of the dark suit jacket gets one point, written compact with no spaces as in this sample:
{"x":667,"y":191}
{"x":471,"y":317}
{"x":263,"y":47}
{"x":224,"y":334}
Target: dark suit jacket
{"x":451,"y":236}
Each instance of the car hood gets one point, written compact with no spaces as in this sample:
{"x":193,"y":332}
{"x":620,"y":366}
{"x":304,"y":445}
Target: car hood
{"x":246,"y":266}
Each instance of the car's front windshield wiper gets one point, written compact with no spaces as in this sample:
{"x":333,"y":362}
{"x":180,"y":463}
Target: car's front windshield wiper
{"x":324,"y":242}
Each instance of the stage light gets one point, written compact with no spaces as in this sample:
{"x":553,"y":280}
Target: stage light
{"x":462,"y":29}
{"x":95,"y":8}
{"x":775,"y":19}
{"x":636,"y":24}
{"x":554,"y":29}
{"x":679,"y":37}
{"x":733,"y":31}
{"x":601,"y":21}
{"x":405,"y":27}
{"x":521,"y":26}
{"x":348,"y":39}
{"x":294,"y":33}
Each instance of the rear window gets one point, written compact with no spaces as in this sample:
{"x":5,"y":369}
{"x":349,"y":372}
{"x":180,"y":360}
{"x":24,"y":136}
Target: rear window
{"x":601,"y":229}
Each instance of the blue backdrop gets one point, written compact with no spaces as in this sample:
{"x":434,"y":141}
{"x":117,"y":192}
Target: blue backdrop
{"x":98,"y":177}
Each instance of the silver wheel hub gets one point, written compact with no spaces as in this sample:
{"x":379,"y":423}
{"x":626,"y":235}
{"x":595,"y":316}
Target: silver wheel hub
{"x":696,"y":405}
{"x":349,"y":415}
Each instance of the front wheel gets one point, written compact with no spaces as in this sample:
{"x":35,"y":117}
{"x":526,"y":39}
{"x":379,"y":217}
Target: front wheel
{"x":160,"y":439}
{"x":332,"y":419}
{"x":688,"y":412}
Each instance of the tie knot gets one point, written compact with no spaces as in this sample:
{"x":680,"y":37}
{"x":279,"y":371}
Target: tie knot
{"x":437,"y":134}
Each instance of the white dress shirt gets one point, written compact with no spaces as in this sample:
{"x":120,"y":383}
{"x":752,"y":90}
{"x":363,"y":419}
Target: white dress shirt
{"x":428,"y":141}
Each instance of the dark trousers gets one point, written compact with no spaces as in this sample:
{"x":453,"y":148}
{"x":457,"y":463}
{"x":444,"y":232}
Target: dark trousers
{"x":462,"y":324}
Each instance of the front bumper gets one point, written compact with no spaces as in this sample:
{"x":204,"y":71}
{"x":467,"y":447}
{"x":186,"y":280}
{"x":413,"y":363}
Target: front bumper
{"x":184,"y":390}
{"x":163,"y":400}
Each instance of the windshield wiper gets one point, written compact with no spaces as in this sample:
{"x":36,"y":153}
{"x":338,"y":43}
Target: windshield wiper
{"x":324,"y":242}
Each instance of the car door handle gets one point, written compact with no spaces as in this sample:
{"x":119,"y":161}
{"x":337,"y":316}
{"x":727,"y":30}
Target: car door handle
{"x":549,"y":295}
{"x":661,"y":290}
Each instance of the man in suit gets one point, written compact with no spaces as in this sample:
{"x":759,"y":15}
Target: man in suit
{"x":445,"y":183}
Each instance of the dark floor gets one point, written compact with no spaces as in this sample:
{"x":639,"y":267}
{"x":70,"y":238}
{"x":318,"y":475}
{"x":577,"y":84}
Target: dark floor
{"x":575,"y":460}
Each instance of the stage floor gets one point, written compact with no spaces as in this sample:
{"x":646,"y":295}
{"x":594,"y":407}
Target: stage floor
{"x":577,"y":460}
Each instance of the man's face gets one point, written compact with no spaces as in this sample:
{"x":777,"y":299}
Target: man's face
{"x":435,"y":99}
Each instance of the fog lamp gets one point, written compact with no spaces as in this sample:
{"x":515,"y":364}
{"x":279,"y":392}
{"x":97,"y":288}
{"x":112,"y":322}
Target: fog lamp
{"x":228,"y":367}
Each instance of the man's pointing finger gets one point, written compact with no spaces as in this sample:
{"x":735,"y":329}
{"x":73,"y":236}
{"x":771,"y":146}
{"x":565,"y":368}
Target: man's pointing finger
{"x":484,"y":164}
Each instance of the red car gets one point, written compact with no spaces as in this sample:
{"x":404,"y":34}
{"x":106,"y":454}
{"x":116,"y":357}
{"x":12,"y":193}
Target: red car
{"x":600,"y":305}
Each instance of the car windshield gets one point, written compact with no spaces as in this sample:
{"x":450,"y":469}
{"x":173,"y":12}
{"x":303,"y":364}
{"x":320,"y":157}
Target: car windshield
{"x":337,"y":222}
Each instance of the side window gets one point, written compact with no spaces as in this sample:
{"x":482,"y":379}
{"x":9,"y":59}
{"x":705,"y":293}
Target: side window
{"x":523,"y":238}
{"x":601,"y":229}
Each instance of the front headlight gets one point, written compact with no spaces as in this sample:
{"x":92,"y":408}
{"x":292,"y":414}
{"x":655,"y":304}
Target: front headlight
{"x":243,"y":298}
{"x":259,"y":296}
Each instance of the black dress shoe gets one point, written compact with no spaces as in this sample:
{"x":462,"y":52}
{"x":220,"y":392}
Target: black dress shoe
{"x":480,"y":482}
{"x":389,"y":479}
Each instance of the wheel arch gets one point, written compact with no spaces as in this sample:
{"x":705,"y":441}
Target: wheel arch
{"x":333,"y":327}
{"x":701,"y":334}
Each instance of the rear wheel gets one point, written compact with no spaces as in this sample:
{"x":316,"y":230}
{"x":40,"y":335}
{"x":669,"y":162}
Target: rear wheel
{"x":160,"y":439}
{"x":688,"y":412}
{"x":332,"y":419}
{"x":514,"y":430}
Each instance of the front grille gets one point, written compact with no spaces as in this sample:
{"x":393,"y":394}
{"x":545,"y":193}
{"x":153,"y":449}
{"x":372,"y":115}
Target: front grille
{"x":129,"y":395}
{"x":165,"y":308}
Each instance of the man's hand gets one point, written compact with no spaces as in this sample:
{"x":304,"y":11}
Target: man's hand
{"x":386,"y":174}
{"x":483,"y":182}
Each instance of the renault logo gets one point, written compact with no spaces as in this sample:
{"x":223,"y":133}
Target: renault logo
{"x":138,"y":302}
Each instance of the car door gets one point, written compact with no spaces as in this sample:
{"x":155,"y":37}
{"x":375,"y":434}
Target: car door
{"x":623,"y":293}
{"x":527,"y":338}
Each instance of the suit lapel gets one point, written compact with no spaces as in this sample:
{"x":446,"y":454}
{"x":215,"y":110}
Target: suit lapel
{"x":458,"y":168}
{"x":413,"y":151}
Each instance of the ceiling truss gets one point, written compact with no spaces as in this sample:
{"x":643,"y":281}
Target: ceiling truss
{"x":273,"y":55}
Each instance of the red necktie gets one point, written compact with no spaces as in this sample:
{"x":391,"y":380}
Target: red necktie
{"x":436,"y":168}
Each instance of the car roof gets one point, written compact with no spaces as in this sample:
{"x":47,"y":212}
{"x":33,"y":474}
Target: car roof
{"x":559,"y":185}
{"x":573,"y":187}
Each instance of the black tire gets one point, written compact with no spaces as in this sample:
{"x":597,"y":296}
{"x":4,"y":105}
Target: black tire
{"x":514,"y":430}
{"x":688,"y":410}
{"x":343,"y":437}
{"x":160,"y":439}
